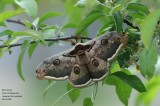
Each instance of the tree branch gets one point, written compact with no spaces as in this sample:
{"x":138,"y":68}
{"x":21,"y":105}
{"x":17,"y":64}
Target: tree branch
{"x":60,"y":38}
{"x":124,"y":20}
{"x":49,"y":40}
{"x":16,"y":21}
{"x":130,"y":24}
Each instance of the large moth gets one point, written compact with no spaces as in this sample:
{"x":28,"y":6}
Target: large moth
{"x":85,"y":62}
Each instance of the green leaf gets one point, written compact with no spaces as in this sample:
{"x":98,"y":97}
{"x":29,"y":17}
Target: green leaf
{"x":87,"y":3}
{"x":87,"y":102}
{"x":30,"y":6}
{"x":131,"y":80}
{"x":6,"y":32}
{"x":13,"y":40}
{"x":80,"y":3}
{"x":28,"y":24}
{"x":35,"y":24}
{"x":118,"y":21}
{"x":138,"y":7}
{"x":137,"y":15}
{"x":20,"y":58}
{"x":104,"y":8}
{"x":153,"y":88}
{"x":48,"y":33}
{"x":108,"y":22}
{"x":69,"y":25}
{"x":119,"y":7}
{"x":47,"y":88}
{"x":94,"y":12}
{"x":148,"y":27}
{"x":49,"y":15}
{"x":9,"y":14}
{"x":74,"y":94}
{"x":86,"y":22}
{"x":114,"y":67}
{"x":29,"y":33}
{"x":148,"y":59}
{"x":123,"y":90}
{"x":31,"y":49}
{"x":103,"y":31}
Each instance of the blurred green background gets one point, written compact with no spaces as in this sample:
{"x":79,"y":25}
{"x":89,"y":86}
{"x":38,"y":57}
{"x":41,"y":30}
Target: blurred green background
{"x":32,"y":89}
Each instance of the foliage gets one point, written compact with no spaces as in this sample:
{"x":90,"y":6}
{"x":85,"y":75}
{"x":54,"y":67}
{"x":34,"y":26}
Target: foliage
{"x":138,"y":21}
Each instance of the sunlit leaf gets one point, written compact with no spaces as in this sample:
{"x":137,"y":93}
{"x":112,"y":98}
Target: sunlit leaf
{"x":74,"y":14}
{"x":6,"y":32}
{"x":69,"y":25}
{"x":87,"y":102}
{"x":9,"y":14}
{"x":31,"y":49}
{"x":29,"y":33}
{"x":136,"y":15}
{"x":119,"y":7}
{"x":80,"y":3}
{"x":86,"y":3}
{"x":94,"y":12}
{"x":30,"y":6}
{"x":74,"y":94}
{"x":13,"y":40}
{"x":28,"y":24}
{"x":118,"y":21}
{"x":107,"y":24}
{"x":123,"y":90}
{"x":138,"y":7}
{"x":131,"y":80}
{"x":86,"y":22}
{"x":148,"y":60}
{"x":148,"y":27}
{"x":103,"y":31}
{"x":153,"y":88}
{"x":49,"y":15}
{"x":114,"y":67}
{"x":35,"y":24}
{"x":20,"y":58}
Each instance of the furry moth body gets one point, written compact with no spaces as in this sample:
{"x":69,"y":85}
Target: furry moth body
{"x":85,"y":62}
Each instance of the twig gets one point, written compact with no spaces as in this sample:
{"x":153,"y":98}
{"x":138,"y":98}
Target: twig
{"x":20,"y":23}
{"x":49,"y":40}
{"x":16,"y":21}
{"x":130,"y":24}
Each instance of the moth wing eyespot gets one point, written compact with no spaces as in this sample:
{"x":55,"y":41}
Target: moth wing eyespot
{"x":95,"y":63}
{"x":76,"y":70}
{"x":104,"y":41}
{"x":56,"y":62}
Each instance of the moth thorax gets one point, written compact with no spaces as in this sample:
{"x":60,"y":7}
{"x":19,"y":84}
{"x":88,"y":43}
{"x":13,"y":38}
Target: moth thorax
{"x":83,"y":59}
{"x":81,"y":52}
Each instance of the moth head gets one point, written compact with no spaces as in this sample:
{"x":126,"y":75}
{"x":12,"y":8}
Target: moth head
{"x":47,"y":67}
{"x":41,"y":70}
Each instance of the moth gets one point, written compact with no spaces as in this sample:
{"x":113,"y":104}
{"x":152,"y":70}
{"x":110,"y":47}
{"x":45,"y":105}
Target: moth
{"x":85,"y":62}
